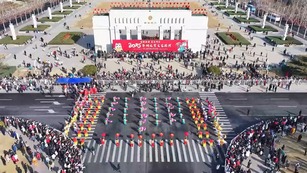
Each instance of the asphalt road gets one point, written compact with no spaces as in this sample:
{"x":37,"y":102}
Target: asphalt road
{"x":147,"y":159}
{"x":261,"y":106}
{"x":49,"y":109}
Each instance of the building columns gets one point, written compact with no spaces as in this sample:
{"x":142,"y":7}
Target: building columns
{"x":139,"y":32}
{"x":172,"y":37}
{"x":117,"y":33}
{"x":128,"y":33}
{"x":161,"y":33}
{"x":183,"y":37}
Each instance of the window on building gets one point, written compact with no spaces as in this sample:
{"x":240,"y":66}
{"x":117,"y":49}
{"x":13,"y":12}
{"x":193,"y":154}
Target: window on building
{"x":130,"y":20}
{"x":164,"y":20}
{"x":168,"y":20}
{"x":133,"y":20}
{"x":138,"y":20}
{"x":183,"y":20}
{"x":175,"y":20}
{"x":114,"y":20}
{"x":126,"y":20}
{"x":160,"y":20}
{"x":123,"y":20}
{"x":179,"y":20}
{"x":118,"y":20}
{"x":172,"y":21}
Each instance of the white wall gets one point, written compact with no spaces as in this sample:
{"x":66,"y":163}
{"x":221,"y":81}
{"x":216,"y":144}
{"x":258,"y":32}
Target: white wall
{"x":195,"y":26}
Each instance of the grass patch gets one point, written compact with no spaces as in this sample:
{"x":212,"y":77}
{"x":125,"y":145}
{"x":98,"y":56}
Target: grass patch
{"x":258,"y":28}
{"x":296,"y":66}
{"x":244,"y":20}
{"x":217,"y":3}
{"x":19,"y":40}
{"x":6,"y":70}
{"x":232,"y":38}
{"x":232,"y":13}
{"x":74,"y":7}
{"x":62,"y":13}
{"x":46,"y":19}
{"x":80,"y":3}
{"x":66,"y":38}
{"x":31,"y":28}
{"x":223,"y":7}
{"x":277,"y":40}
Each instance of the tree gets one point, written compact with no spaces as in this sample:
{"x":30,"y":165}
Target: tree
{"x":214,"y":70}
{"x":89,"y":70}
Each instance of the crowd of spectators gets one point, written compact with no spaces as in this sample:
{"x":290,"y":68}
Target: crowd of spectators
{"x":258,"y":139}
{"x":54,"y":143}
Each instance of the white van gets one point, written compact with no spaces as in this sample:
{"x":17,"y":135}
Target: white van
{"x":274,"y":17}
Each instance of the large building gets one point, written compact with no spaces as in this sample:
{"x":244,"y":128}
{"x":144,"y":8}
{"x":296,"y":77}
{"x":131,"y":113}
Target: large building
{"x":150,"y":29}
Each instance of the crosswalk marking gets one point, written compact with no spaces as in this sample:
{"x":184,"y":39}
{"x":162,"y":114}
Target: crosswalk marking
{"x":114,"y":152}
{"x":97,"y":153}
{"x":108,"y":152}
{"x":139,"y":154}
{"x":190,"y":152}
{"x":173,"y":153}
{"x":167,"y":152}
{"x":195,"y":150}
{"x":145,"y":152}
{"x":120,"y":150}
{"x":179,"y":152}
{"x":162,"y":154}
{"x":201,"y":151}
{"x":184,"y":151}
{"x":156,"y":151}
{"x":103,"y":150}
{"x":84,"y":156}
{"x":132,"y":153}
{"x":126,"y":151}
{"x":207,"y":154}
{"x":92,"y":153}
{"x":150,"y":153}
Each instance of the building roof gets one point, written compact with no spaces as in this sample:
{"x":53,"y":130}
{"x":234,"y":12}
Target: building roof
{"x":149,"y":8}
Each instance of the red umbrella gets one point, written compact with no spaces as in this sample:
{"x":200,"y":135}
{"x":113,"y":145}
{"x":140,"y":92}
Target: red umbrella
{"x":140,"y":137}
{"x":186,"y":134}
{"x":117,"y":135}
{"x":153,"y":135}
{"x":161,"y":134}
{"x":172,"y":135}
{"x":103,"y":134}
{"x":131,"y":136}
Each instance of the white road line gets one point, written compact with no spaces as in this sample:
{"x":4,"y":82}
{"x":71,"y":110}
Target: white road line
{"x":120,"y":150}
{"x":243,"y":106}
{"x":132,"y":153}
{"x":173,"y":153}
{"x":184,"y":151}
{"x":108,"y":152}
{"x":167,"y":151}
{"x":195,"y":150}
{"x":103,"y":150}
{"x":284,"y":106}
{"x":211,"y":153}
{"x":44,"y":99}
{"x":114,"y":153}
{"x":279,"y":98}
{"x":237,"y":99}
{"x":190,"y":151}
{"x":86,"y":151}
{"x":156,"y":152}
{"x":97,"y":153}
{"x":2,"y":107}
{"x":38,"y":107}
{"x":162,"y":153}
{"x":126,"y":151}
{"x":150,"y":153}
{"x":145,"y":152}
{"x":179,"y":152}
{"x":201,"y":152}
{"x":66,"y":106}
{"x":139,"y":154}
{"x":5,"y":99}
{"x":91,"y":155}
{"x":207,"y":154}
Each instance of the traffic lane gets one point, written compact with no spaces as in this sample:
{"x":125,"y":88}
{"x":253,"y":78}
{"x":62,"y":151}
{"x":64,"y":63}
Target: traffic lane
{"x":49,"y":110}
{"x":262,"y":98}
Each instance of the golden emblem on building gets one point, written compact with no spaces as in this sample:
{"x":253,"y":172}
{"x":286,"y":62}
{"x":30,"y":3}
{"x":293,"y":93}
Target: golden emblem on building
{"x":149,"y":17}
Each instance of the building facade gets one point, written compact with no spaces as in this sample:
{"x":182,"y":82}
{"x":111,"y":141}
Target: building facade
{"x":133,"y":22}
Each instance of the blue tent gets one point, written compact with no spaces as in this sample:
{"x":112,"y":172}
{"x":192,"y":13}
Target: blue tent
{"x":73,"y":80}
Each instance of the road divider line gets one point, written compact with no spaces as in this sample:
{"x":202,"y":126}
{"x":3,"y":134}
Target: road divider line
{"x":38,"y":107}
{"x":167,"y":151}
{"x":108,"y":152}
{"x":43,"y":99}
{"x":103,"y":150}
{"x":243,"y":106}
{"x":190,"y":151}
{"x":150,"y":153}
{"x":6,"y":99}
{"x":279,"y":98}
{"x":162,"y":153}
{"x":156,"y":152}
{"x":201,"y":152}
{"x":2,"y":107}
{"x":91,"y":154}
{"x":285,"y":106}
{"x":139,"y":154}
{"x":238,"y":99}
{"x":132,"y":153}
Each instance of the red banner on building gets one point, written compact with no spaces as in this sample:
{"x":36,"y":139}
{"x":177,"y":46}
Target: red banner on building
{"x":150,"y":45}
